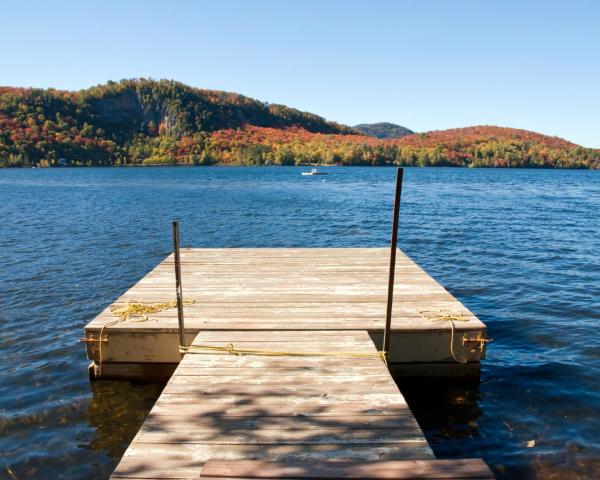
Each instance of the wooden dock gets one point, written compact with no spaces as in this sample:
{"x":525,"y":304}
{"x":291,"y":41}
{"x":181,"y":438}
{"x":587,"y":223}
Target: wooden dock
{"x":312,"y":396}
{"x":304,"y":289}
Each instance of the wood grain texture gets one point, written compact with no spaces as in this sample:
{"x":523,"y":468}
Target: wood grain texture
{"x":474,"y":469}
{"x":275,"y":408}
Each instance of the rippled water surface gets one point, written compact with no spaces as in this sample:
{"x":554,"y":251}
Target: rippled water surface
{"x":519,"y":247}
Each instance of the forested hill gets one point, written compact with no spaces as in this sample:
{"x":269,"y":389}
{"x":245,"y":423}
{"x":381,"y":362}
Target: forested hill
{"x":141,"y":121}
{"x":106,"y":124}
{"x":383,"y":130}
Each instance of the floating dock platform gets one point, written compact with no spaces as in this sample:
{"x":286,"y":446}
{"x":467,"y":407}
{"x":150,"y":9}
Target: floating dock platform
{"x":286,"y":289}
{"x":322,"y":403}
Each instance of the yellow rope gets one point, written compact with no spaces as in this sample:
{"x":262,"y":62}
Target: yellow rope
{"x":231,"y":350}
{"x":133,"y":311}
{"x":438,"y":315}
{"x":140,"y":310}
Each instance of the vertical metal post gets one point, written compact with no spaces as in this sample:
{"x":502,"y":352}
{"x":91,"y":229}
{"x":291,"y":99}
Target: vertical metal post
{"x":178,"y":285}
{"x":390,"y":298}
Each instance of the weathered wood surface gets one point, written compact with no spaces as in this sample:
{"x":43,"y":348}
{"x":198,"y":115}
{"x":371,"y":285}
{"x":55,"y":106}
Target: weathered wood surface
{"x":290,"y":289}
{"x":275,"y":408}
{"x":471,"y":469}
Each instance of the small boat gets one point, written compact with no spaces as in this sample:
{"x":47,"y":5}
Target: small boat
{"x":314,"y":171}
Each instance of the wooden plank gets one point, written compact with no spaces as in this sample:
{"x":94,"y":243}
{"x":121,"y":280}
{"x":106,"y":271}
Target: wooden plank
{"x":280,"y":336}
{"x":187,"y":421}
{"x":178,"y":461}
{"x":281,"y":321}
{"x":473,"y":468}
{"x":344,"y":436}
{"x":299,"y":389}
{"x":194,"y":325}
{"x":283,"y":405}
{"x":269,"y":399}
{"x":277,"y":372}
{"x":251,"y":362}
{"x":291,"y":297}
{"x":271,"y":378}
{"x":164,"y":407}
{"x":233,"y":393}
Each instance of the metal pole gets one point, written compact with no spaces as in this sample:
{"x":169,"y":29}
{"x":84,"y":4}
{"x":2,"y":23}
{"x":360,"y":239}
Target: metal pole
{"x":178,"y":285}
{"x":390,"y":298}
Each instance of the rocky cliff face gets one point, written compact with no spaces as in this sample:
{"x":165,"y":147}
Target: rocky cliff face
{"x":143,"y":106}
{"x":383,"y":130}
{"x":127,"y":112}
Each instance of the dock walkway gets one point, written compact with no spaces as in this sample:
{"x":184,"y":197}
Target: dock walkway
{"x":275,"y":408}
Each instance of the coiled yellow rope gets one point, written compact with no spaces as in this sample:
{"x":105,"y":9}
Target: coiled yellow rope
{"x":133,"y":311}
{"x":231,"y":350}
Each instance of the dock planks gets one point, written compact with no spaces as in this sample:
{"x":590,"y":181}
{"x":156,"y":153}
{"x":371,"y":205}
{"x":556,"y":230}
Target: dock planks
{"x":302,"y":289}
{"x":275,"y":408}
{"x":286,"y":416}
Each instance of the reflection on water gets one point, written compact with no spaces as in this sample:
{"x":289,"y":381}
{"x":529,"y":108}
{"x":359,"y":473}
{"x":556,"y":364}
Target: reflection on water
{"x":463,"y":419}
{"x":117,"y":411}
{"x":518,"y":247}
{"x":83,"y":439}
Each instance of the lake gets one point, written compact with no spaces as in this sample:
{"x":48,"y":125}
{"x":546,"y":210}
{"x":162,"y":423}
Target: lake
{"x":520,"y":248}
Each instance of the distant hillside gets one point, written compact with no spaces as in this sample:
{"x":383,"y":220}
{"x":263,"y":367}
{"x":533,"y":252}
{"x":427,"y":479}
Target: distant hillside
{"x":113,"y":123}
{"x":490,"y":146}
{"x":482,"y":146}
{"x":383,"y":130}
{"x":141,"y":121}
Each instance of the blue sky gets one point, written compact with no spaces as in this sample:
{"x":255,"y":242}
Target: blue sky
{"x":423,"y":64}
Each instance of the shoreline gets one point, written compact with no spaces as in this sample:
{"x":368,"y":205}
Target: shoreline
{"x":302,"y":165}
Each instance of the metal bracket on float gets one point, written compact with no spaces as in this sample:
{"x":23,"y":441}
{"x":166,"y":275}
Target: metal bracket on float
{"x":94,"y":340}
{"x":478,"y":340}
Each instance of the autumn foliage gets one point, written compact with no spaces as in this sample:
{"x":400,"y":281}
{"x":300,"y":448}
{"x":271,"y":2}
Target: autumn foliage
{"x":164,"y":122}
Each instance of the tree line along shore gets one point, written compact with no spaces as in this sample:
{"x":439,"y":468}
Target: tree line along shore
{"x":149,"y":122}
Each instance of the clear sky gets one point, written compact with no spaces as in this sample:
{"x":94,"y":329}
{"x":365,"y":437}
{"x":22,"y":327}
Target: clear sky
{"x":422,"y":64}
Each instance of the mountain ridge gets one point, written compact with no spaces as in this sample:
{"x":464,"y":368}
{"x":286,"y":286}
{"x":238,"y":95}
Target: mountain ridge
{"x":145,"y":121}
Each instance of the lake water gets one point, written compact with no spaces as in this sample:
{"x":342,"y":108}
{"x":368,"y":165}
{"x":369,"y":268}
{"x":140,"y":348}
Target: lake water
{"x":519,"y":247}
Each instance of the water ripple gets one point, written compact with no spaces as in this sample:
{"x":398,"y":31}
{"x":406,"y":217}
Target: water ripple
{"x":518,"y":247}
